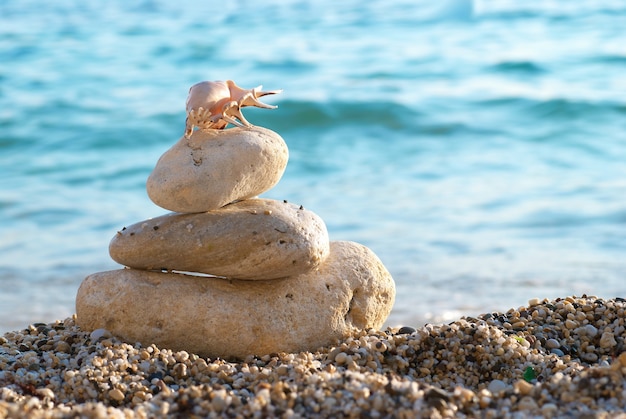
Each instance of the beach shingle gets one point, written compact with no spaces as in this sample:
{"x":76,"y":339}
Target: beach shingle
{"x":435,"y":371}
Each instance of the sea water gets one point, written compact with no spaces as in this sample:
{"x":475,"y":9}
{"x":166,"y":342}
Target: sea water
{"x":478,"y":148}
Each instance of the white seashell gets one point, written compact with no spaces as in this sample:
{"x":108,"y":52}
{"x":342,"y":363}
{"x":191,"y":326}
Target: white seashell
{"x":215,"y":104}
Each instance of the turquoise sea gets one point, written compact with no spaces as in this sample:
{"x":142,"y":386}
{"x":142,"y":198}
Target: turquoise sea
{"x":479,"y":148}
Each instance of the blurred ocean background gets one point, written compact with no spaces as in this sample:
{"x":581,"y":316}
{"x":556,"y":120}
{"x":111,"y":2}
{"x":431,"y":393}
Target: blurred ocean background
{"x":479,"y":148}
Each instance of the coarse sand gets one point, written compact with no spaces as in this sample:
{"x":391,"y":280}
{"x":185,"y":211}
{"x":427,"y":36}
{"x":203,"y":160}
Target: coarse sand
{"x":559,"y":358}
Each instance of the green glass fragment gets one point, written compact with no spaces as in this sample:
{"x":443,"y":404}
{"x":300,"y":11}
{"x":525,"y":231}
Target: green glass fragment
{"x":529,"y":374}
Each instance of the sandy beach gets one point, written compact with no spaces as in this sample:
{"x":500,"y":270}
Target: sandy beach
{"x":558,"y":358}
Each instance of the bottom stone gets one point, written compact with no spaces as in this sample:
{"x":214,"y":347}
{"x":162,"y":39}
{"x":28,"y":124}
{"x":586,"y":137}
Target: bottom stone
{"x":216,"y":317}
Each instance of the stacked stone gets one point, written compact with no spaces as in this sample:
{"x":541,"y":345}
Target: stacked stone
{"x":227,"y":274}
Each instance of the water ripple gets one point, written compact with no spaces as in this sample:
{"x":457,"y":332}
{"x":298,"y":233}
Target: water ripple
{"x":475,"y":146}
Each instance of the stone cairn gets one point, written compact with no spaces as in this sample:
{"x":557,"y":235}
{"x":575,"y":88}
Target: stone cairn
{"x":228,"y":274}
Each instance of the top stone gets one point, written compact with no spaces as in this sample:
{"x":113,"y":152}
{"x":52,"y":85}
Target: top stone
{"x":213,"y":168}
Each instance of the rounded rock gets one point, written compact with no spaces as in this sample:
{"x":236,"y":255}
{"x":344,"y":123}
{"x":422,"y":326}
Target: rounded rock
{"x":214,"y":317}
{"x":557,"y":352}
{"x":98,"y":334}
{"x":552,"y":344}
{"x":406,"y":330}
{"x":45,"y":393}
{"x":589,"y":357}
{"x":252,"y":239}
{"x":590,"y":330}
{"x":116,"y":394}
{"x":607,"y":340}
{"x":214,"y":167}
{"x":523,"y":387}
{"x":496,"y":386}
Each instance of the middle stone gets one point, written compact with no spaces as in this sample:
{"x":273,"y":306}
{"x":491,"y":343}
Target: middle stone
{"x":252,"y":239}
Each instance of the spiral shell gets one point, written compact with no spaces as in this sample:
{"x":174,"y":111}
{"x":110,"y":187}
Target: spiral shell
{"x":215,"y":104}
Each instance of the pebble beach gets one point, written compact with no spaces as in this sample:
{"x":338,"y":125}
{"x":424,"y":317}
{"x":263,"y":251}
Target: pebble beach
{"x":552,"y":358}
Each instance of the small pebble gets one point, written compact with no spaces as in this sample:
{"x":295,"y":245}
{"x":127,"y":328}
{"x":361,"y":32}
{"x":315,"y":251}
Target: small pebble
{"x":99,"y":333}
{"x":589,"y":357}
{"x":571,"y":324}
{"x":552,"y":344}
{"x":607,"y":340}
{"x":496,"y":386}
{"x":45,"y":392}
{"x":380,"y":346}
{"x":590,"y":330}
{"x":406,"y":330}
{"x":527,"y":403}
{"x":523,"y":387}
{"x":116,"y":395}
{"x":62,"y":346}
{"x":341,"y":358}
{"x":557,"y":351}
{"x":549,"y":410}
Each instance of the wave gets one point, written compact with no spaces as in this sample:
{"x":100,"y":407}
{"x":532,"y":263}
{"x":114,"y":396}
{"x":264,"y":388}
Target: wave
{"x":557,"y":107}
{"x":538,"y":10}
{"x":310,"y":114}
{"x":613,"y":59}
{"x":568,"y":108}
{"x":365,"y":117}
{"x":521,"y":67}
{"x":560,"y":220}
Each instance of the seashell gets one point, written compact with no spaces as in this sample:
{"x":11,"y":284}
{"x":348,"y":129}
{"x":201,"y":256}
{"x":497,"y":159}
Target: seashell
{"x":215,"y":104}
